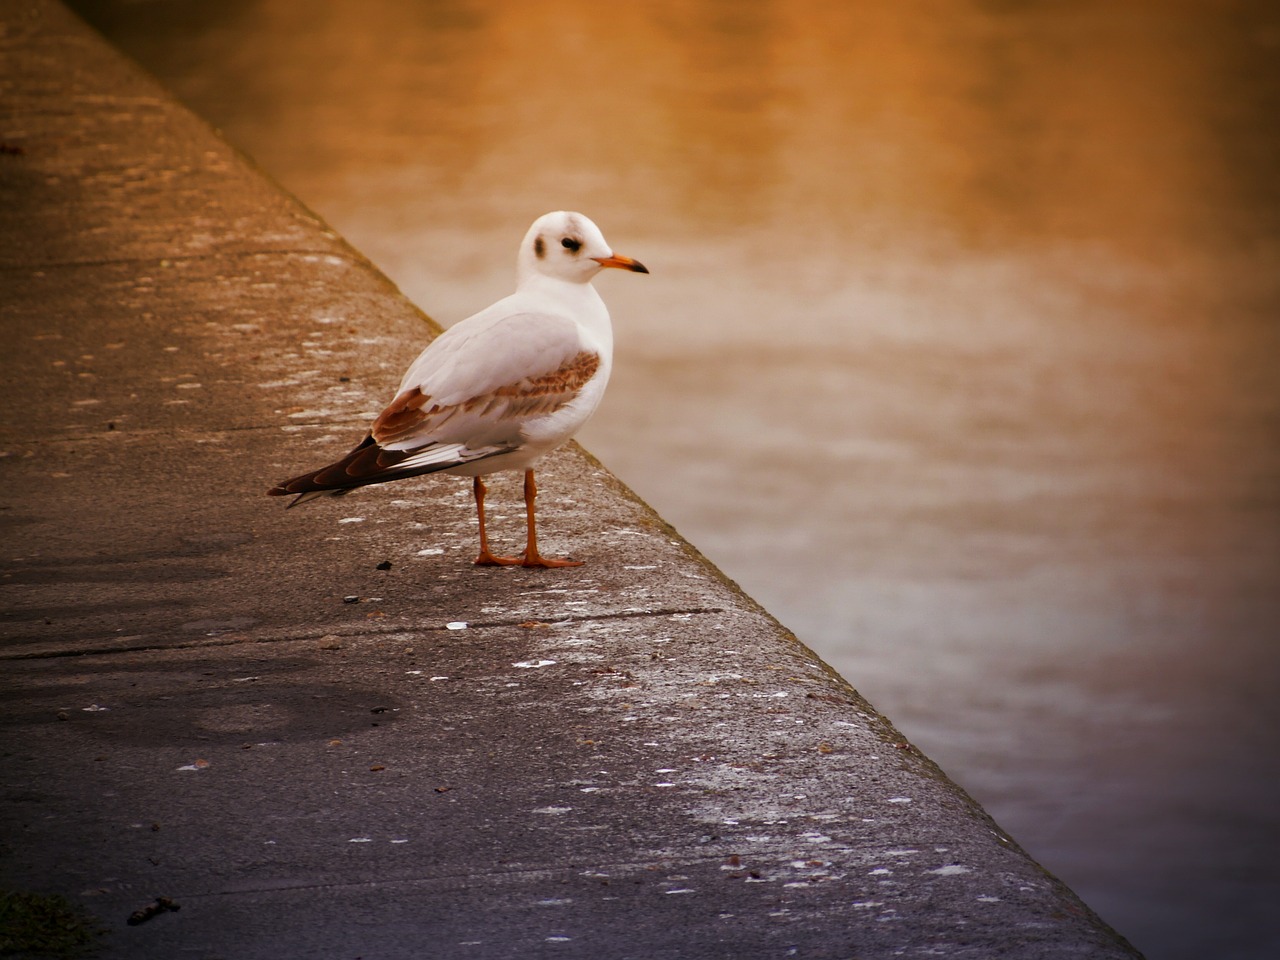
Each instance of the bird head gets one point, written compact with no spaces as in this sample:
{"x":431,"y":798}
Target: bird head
{"x":568,"y":246}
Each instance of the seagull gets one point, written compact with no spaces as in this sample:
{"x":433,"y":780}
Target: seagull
{"x":499,"y":389}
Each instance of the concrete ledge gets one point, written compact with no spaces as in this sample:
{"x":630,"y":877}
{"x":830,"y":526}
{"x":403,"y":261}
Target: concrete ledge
{"x":631,"y":759}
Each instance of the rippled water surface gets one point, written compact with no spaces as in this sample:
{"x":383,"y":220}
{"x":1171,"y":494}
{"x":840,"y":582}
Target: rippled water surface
{"x":961,"y":350}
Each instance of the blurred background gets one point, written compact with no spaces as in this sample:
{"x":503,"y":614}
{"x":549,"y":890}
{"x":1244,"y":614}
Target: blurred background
{"x":961,"y":350}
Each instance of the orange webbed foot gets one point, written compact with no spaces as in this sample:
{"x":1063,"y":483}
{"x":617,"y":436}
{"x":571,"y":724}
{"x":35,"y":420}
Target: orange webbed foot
{"x":487,"y":559}
{"x":547,"y":563}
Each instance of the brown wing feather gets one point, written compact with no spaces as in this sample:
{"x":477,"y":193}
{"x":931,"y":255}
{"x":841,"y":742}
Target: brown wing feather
{"x":413,"y":413}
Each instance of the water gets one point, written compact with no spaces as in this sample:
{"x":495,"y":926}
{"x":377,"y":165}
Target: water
{"x":961,"y":350}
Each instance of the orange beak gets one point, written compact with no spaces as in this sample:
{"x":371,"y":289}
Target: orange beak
{"x":622,"y":263}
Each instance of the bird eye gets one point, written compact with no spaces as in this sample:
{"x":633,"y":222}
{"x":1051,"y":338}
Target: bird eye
{"x":571,"y":244}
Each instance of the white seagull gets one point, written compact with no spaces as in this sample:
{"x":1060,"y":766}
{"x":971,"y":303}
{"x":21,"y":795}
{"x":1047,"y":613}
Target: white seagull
{"x":498,"y":390}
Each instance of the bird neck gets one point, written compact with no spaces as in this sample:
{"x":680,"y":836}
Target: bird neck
{"x":581,"y":301}
{"x":572,"y":293}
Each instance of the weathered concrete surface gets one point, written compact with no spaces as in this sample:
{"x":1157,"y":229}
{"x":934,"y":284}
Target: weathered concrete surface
{"x":629,"y":759}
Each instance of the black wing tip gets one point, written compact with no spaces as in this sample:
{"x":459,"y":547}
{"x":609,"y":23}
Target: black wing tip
{"x":308,"y":482}
{"x":296,"y":487}
{"x":305,"y":496}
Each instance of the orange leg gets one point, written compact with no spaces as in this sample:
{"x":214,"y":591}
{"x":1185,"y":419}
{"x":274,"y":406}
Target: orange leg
{"x":487,"y":559}
{"x":531,"y":556}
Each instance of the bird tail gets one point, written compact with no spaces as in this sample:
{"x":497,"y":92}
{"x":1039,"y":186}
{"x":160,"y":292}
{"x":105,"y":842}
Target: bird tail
{"x":369,"y":463}
{"x":331,"y":481}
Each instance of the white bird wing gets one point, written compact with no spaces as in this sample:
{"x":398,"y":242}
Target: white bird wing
{"x":476,"y":386}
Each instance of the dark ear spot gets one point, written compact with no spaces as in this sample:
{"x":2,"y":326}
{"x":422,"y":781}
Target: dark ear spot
{"x":539,"y":248}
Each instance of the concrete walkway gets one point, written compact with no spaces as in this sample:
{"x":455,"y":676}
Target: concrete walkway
{"x":322,"y":732}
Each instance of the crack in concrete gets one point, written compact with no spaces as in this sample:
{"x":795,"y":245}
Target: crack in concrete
{"x":365,"y":630}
